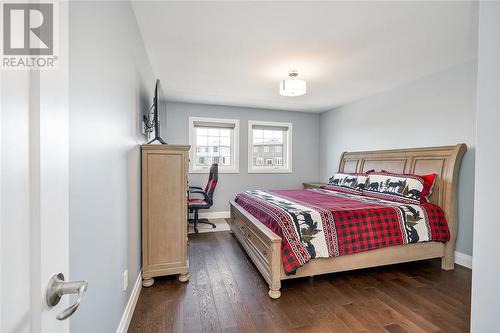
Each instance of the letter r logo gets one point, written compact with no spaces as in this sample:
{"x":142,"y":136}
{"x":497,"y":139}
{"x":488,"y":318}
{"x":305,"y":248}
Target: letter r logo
{"x":28,"y":29}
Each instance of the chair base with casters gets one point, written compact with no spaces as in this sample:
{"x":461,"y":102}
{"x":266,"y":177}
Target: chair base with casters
{"x":197,"y":220}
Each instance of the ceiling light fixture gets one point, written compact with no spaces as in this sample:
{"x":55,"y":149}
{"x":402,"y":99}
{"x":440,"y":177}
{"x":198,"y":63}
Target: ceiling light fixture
{"x":293,"y":86}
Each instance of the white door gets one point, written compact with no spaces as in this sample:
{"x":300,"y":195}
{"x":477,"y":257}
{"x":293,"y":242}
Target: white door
{"x":34,"y":192}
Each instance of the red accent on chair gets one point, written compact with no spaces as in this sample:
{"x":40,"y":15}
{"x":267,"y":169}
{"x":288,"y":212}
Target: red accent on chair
{"x":195,"y":204}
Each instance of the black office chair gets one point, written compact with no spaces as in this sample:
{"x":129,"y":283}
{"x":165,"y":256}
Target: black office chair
{"x":195,"y":204}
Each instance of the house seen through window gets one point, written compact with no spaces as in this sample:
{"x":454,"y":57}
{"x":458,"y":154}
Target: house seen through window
{"x":213,"y":141}
{"x":269,"y":147}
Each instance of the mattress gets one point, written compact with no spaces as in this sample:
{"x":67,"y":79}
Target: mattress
{"x":321,"y":223}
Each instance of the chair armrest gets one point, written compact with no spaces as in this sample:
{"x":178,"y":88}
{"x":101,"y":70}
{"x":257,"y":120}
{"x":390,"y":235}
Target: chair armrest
{"x":207,"y":199}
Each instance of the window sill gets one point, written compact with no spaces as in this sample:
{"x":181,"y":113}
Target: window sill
{"x":271,"y":171}
{"x":208,"y":171}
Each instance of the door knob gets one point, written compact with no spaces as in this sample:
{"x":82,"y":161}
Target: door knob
{"x":58,"y":287}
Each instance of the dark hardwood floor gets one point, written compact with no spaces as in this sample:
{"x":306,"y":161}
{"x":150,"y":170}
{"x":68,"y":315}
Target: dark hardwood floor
{"x":226,"y":293}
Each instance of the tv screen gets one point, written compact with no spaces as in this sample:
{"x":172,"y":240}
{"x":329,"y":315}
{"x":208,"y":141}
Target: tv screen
{"x":159,"y":112}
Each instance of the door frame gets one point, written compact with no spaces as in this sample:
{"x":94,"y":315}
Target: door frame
{"x":51,"y":173}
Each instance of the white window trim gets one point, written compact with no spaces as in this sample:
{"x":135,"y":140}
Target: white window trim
{"x":264,"y":169}
{"x":236,"y":142}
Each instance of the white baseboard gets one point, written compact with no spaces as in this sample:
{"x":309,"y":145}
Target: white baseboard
{"x":463,"y":259}
{"x":214,"y":215}
{"x":129,"y":309}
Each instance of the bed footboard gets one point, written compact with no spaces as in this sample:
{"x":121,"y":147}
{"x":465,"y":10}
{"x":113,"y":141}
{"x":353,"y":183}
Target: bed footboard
{"x":261,"y":244}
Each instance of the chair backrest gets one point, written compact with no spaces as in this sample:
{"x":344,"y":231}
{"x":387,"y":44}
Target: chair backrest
{"x":212,"y":181}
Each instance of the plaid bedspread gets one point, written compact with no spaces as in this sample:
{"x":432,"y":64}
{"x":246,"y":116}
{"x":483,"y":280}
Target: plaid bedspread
{"x":319,"y":223}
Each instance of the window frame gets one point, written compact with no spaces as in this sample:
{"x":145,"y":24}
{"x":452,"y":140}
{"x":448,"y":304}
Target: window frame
{"x":235,"y":168}
{"x":289,"y":148}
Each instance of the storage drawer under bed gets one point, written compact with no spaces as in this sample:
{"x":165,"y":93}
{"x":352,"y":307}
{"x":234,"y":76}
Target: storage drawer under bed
{"x":260,"y":243}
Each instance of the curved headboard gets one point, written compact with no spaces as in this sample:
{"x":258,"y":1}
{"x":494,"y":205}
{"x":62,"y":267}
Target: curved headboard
{"x":444,"y":161}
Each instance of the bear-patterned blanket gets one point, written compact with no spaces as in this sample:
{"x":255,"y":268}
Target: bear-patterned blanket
{"x":319,"y":223}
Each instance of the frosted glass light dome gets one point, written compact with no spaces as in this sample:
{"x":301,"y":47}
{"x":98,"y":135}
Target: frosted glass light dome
{"x":293,"y":86}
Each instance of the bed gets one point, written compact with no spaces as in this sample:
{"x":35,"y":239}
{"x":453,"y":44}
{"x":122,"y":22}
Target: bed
{"x":264,"y":246}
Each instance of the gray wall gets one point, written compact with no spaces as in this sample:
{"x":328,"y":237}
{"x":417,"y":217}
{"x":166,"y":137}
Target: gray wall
{"x":435,"y":110}
{"x":110,"y":82}
{"x":305,"y":148}
{"x":486,"y":266}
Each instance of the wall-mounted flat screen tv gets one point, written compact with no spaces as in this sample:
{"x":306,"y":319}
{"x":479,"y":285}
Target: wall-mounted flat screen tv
{"x":157,"y":114}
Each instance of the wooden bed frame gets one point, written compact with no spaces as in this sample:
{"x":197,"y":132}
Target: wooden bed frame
{"x":263,"y":245}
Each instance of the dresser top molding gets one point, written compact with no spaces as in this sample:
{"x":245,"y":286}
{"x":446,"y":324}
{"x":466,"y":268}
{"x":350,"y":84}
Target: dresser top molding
{"x":169,"y":147}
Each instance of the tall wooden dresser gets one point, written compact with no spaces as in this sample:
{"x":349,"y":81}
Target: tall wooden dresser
{"x":164,"y":212}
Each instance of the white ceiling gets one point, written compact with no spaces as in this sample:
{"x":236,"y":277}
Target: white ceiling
{"x":235,"y":53}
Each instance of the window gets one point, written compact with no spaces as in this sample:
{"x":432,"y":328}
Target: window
{"x":213,"y":141}
{"x":269,"y":147}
